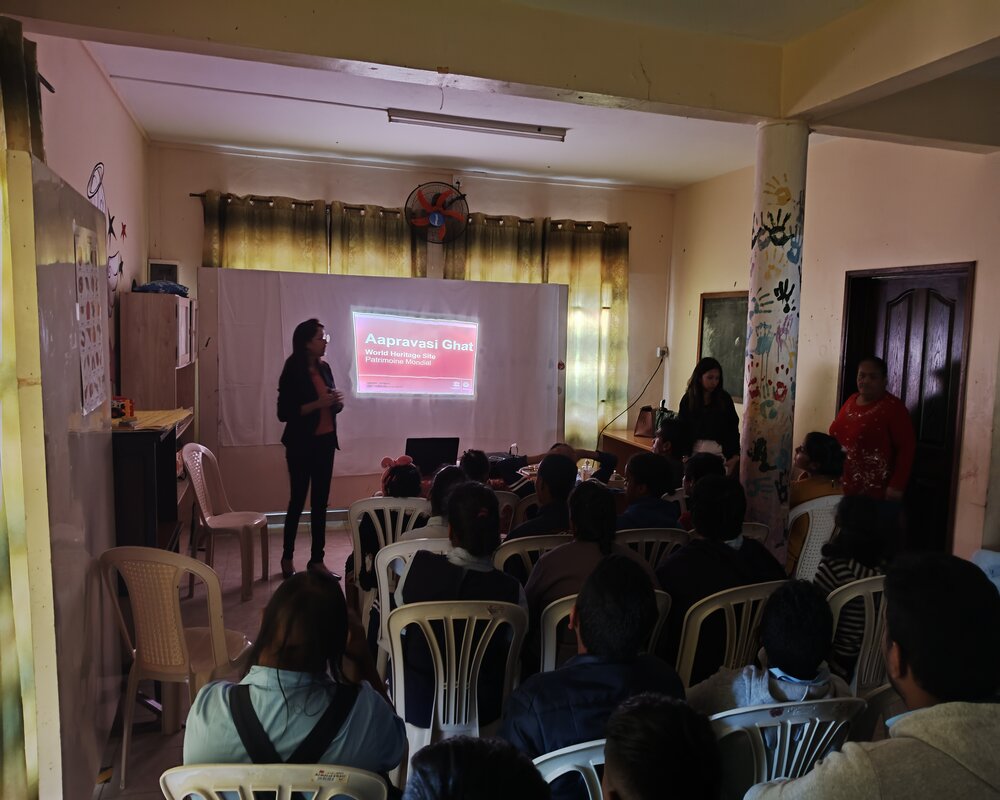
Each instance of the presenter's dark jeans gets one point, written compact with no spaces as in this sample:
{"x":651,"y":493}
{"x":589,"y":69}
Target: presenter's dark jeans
{"x":309,"y":465}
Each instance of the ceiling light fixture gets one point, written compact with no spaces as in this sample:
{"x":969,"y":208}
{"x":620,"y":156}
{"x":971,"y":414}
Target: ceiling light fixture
{"x":519,"y":129}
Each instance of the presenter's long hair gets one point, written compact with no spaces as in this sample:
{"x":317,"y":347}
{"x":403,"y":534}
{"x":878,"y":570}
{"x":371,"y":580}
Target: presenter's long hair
{"x":695,"y":391}
{"x":303,"y":334}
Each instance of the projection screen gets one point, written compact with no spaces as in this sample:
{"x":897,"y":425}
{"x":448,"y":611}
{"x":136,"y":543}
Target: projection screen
{"x":414,"y":356}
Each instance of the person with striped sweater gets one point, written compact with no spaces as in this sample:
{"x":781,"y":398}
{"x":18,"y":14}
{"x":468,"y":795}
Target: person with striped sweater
{"x":859,"y":550}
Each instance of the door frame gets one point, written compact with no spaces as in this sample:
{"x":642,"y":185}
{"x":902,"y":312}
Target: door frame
{"x":852,"y":280}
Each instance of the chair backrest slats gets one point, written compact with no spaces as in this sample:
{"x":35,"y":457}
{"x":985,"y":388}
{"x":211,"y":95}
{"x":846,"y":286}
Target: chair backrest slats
{"x":653,"y":544}
{"x":284,"y":781}
{"x":458,"y":634}
{"x":528,"y":549}
{"x":822,"y":514}
{"x":741,"y":608}
{"x":582,"y":758}
{"x":869,"y":671}
{"x":785,"y":739}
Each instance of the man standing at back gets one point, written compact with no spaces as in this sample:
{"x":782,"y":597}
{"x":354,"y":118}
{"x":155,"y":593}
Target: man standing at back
{"x":942,"y":651}
{"x":612,"y":619}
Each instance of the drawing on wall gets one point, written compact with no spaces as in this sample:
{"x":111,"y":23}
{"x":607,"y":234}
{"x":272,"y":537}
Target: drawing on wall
{"x":721,"y":335}
{"x":116,"y":264}
{"x":90,"y":320}
{"x":771,"y":349}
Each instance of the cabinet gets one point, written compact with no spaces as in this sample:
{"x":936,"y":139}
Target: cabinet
{"x":158,"y":350}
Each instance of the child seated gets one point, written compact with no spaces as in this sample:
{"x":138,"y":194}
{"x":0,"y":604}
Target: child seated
{"x":796,"y":629}
{"x":860,"y":549}
{"x":698,"y":466}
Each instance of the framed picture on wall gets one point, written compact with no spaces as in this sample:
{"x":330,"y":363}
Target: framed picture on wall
{"x":722,"y":334}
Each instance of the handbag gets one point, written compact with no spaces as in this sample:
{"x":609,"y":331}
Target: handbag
{"x":644,"y":423}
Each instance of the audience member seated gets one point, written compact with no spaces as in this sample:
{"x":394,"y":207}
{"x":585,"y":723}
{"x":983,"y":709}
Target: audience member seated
{"x":467,"y":768}
{"x":669,"y":443}
{"x":507,"y":468}
{"x":698,"y":466}
{"x":401,"y":480}
{"x":716,"y":558}
{"x":464,"y":573}
{"x":614,"y":614}
{"x":821,"y":459}
{"x":476,"y":466}
{"x":796,"y":629}
{"x":555,"y":480}
{"x":942,"y":648}
{"x":445,"y":479}
{"x":859,"y":550}
{"x":647,"y":479}
{"x":562,"y":572}
{"x":295,"y":685}
{"x":659,"y":748}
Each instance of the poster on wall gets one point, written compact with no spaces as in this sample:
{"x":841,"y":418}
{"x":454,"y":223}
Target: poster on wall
{"x":90,"y":320}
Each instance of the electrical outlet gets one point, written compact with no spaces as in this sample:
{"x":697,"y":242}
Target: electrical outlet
{"x":662,"y":352}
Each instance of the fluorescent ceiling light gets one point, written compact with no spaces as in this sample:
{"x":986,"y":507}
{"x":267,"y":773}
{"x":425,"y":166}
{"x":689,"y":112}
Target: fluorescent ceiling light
{"x":519,"y":129}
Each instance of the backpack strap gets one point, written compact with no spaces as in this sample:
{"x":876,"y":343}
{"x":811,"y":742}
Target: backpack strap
{"x":317,"y":741}
{"x":258,"y":746}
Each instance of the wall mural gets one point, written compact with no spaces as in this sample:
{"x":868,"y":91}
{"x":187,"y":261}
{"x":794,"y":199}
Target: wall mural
{"x":772,"y":334}
{"x":116,"y":264}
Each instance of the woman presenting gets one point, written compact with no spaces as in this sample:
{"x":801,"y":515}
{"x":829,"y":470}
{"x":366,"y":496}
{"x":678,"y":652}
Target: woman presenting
{"x":708,"y":416}
{"x":308,"y":404}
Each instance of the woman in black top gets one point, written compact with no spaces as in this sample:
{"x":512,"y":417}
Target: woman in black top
{"x":708,"y":415}
{"x":308,"y":404}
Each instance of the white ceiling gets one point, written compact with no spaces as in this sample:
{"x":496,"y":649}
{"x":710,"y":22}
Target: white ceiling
{"x":251,"y":105}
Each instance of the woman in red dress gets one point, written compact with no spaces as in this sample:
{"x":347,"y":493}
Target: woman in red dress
{"x":876,"y":432}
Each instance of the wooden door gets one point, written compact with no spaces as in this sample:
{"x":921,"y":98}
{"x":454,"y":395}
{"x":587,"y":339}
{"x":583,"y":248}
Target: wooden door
{"x":917,"y":319}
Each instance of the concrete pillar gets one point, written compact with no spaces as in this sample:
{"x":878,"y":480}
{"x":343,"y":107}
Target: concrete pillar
{"x":773,"y":324}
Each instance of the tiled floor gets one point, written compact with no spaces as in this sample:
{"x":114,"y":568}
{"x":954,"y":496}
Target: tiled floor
{"x":151,"y":752}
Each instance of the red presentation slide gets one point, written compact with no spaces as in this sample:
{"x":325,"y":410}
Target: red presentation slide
{"x":396,"y":354}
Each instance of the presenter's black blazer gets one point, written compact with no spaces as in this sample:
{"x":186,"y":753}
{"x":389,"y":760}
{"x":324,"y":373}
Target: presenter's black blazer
{"x":295,"y":389}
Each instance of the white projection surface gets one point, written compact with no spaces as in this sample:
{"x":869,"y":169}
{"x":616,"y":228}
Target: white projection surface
{"x":481,"y":361}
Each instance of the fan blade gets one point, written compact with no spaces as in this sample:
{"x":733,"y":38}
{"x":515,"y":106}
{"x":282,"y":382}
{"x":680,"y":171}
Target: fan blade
{"x":454,"y":214}
{"x":441,"y":231}
{"x":439,"y":204}
{"x":420,"y":221}
{"x":423,"y":201}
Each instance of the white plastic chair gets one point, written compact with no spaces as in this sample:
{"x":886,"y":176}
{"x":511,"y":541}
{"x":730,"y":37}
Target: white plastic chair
{"x":677,"y":497}
{"x":467,"y":628}
{"x":528,"y":549}
{"x":316,"y":781}
{"x":558,"y":610}
{"x":784,"y":740}
{"x":869,"y":671}
{"x":653,"y":544}
{"x":163,"y":648}
{"x":524,"y":505}
{"x":583,"y":758}
{"x":757,"y":531}
{"x":822,"y":513}
{"x":508,"y":508}
{"x":741,"y":608}
{"x":391,"y":517}
{"x":216,"y":516}
{"x":390,"y":563}
{"x":880,"y":704}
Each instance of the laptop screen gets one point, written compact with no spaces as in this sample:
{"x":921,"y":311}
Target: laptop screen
{"x":431,"y":452}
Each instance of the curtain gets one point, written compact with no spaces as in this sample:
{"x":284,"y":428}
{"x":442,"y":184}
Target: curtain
{"x":370,"y":240}
{"x":264,"y":233}
{"x":501,"y":249}
{"x":592,"y":259}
